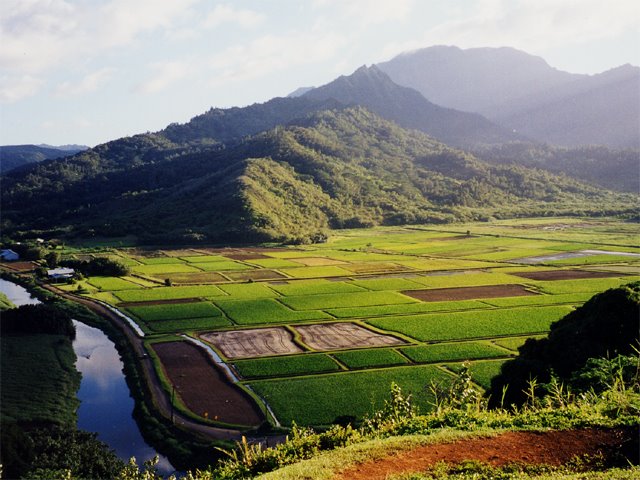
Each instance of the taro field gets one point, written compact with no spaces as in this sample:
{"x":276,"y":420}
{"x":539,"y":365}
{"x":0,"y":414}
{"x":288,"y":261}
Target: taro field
{"x":318,"y":333}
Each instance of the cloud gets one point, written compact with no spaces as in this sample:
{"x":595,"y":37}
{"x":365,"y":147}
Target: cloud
{"x":271,"y":53}
{"x":90,"y":83}
{"x":532,"y":26}
{"x":367,"y":12}
{"x":17,"y":87}
{"x":163,"y":75}
{"x":224,"y":14}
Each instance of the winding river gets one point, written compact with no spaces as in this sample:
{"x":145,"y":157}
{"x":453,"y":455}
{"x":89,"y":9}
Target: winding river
{"x":106,"y":405}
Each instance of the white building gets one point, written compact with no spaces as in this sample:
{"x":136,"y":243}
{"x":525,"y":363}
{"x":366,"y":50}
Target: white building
{"x":61,"y":272}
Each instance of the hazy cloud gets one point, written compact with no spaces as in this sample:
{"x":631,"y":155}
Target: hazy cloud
{"x":17,"y":87}
{"x":367,"y":12}
{"x":163,"y":75}
{"x":224,"y":14}
{"x":90,"y":83}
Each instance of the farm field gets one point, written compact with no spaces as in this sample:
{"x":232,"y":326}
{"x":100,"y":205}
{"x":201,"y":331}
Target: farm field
{"x":319,"y":332}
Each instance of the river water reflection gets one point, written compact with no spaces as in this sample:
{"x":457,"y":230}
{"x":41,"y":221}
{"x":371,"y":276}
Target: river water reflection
{"x":105,"y":403}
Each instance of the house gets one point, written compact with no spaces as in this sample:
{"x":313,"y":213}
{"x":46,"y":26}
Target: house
{"x":61,"y":273}
{"x":9,"y":255}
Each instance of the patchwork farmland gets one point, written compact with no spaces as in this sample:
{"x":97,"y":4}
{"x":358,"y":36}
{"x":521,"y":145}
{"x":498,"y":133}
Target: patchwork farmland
{"x":315,"y":334}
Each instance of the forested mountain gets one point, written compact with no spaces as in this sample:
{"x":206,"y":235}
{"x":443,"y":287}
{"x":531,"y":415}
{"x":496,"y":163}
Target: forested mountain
{"x":14,"y":156}
{"x":522,"y":92}
{"x":372,"y":88}
{"x":332,"y":169}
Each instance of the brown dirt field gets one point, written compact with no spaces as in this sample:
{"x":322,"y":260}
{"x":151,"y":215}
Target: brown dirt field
{"x":203,"y":388}
{"x":19,"y":266}
{"x":565,"y":275}
{"x":317,"y":261}
{"x":159,"y":302}
{"x":255,"y":275}
{"x":335,"y":336}
{"x":253,"y":342}
{"x":535,"y":448}
{"x":374,"y":267}
{"x":468,"y":293}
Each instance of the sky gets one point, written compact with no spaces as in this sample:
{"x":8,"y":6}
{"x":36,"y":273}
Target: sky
{"x":90,"y":71}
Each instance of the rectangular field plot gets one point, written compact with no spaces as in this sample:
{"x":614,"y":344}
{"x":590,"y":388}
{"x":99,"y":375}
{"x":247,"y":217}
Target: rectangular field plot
{"x":221,"y":266}
{"x":262,"y":311}
{"x":286,"y":366}
{"x":168,"y":293}
{"x":435,"y":264}
{"x":445,"y":352}
{"x":187,"y":324}
{"x":248,"y":290}
{"x":572,"y":298}
{"x":111,"y":283}
{"x":336,"y":336}
{"x":318,"y":261}
{"x":204,"y":258}
{"x":320,"y":399}
{"x":379,"y":357}
{"x":468,"y":293}
{"x":374,"y":267}
{"x":195,"y":278}
{"x":468,"y":279}
{"x":160,"y":261}
{"x":315,"y":287}
{"x":395,"y":284}
{"x":565,"y":274}
{"x":175,"y":311}
{"x":161,"y":269}
{"x":584,"y":285}
{"x":405,"y":308}
{"x":255,"y":342}
{"x":481,"y":371}
{"x":339,"y":300}
{"x":316,"y":272}
{"x":260,"y":274}
{"x":477,"y":324}
{"x":274,"y":263}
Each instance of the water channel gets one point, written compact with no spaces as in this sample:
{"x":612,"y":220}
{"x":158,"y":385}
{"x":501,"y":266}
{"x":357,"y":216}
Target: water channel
{"x":106,"y":405}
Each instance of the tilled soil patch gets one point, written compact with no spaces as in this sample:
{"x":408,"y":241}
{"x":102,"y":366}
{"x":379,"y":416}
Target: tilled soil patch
{"x":253,"y":342}
{"x":468,"y":293}
{"x":203,"y":388}
{"x":336,"y":336}
{"x":565,"y":275}
{"x":534,"y":448}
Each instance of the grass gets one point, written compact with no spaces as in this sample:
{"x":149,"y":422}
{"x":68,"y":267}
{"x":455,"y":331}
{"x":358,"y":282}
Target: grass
{"x":221,"y":266}
{"x":111,"y":283}
{"x":405,"y":308}
{"x":320,"y":399}
{"x":176,"y":311}
{"x":512,"y":343}
{"x":204,"y":258}
{"x":187,"y":324}
{"x":315,"y":287}
{"x":467,"y":325}
{"x":379,"y":357}
{"x":168,"y":293}
{"x":161,"y":261}
{"x":195,"y":278}
{"x":443,"y":352}
{"x":573,"y":298}
{"x":162,"y":269}
{"x":395,"y":284}
{"x":286,"y":366}
{"x":595,"y":285}
{"x":264,"y":311}
{"x":474,"y":279}
{"x":39,"y":380}
{"x":316,"y":272}
{"x":273,"y":263}
{"x":340,"y":300}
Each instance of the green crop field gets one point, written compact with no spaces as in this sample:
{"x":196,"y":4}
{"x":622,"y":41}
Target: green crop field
{"x":445,"y":352}
{"x":359,"y":275}
{"x":378,"y":357}
{"x":481,"y":324}
{"x":174,"y":311}
{"x":320,"y":399}
{"x":265,"y":311}
{"x":286,"y":366}
{"x":339,"y":300}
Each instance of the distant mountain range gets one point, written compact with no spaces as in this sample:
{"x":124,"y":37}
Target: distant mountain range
{"x":522,"y":92}
{"x":14,"y":156}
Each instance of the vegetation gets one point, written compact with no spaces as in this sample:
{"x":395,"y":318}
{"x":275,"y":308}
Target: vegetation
{"x":37,"y":319}
{"x":451,"y":351}
{"x":286,"y":366}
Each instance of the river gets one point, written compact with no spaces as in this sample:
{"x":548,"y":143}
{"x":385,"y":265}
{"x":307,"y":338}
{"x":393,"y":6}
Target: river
{"x":106,"y":405}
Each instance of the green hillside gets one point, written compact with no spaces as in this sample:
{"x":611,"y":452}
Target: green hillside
{"x":332,"y":169}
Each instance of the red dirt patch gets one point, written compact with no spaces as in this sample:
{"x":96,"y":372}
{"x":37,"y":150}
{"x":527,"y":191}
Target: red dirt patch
{"x":535,"y":448}
{"x":19,"y":266}
{"x":566,"y":275}
{"x":203,"y":388}
{"x":468,"y":293}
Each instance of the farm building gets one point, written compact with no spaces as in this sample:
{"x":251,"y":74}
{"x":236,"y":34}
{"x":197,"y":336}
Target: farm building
{"x":9,"y":255}
{"x":61,"y":273}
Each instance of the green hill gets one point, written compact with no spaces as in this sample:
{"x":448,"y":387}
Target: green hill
{"x":332,"y":169}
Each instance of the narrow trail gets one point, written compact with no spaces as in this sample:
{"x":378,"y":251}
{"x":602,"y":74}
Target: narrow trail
{"x":534,"y":448}
{"x":161,"y":399}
